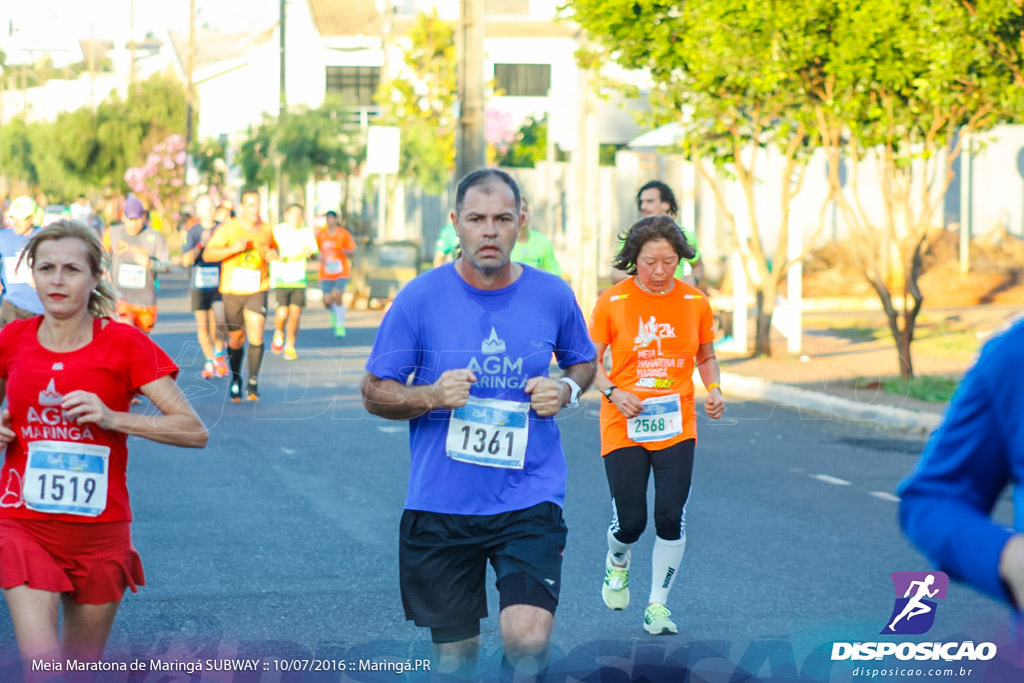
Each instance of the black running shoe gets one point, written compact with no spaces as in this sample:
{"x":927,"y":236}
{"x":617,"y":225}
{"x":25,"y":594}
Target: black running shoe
{"x":236,"y":392}
{"x":254,"y":390}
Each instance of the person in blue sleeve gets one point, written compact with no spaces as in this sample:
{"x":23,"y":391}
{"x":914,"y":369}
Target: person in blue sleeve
{"x":463,"y":354}
{"x":947,"y":500}
{"x":20,"y":299}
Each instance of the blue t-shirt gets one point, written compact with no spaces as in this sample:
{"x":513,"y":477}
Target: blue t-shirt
{"x":438,"y":322}
{"x":17,"y":280}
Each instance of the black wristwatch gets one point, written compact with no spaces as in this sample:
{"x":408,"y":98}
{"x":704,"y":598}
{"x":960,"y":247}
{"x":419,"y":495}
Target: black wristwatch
{"x":608,"y":392}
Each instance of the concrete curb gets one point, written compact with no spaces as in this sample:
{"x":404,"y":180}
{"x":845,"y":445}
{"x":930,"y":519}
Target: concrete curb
{"x":824,"y":404}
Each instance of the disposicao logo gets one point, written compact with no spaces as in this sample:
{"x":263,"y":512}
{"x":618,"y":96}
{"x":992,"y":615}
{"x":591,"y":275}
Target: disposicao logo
{"x":916,"y":592}
{"x":913,"y":614}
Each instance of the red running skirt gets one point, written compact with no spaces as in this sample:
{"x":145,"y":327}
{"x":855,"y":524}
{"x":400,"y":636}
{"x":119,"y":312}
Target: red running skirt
{"x":93,"y":562}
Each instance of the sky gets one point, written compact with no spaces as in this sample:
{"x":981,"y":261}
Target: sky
{"x":54,"y":21}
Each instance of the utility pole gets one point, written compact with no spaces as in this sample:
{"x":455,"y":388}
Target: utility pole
{"x":469,"y":47}
{"x":385,"y":77}
{"x":586,"y":159}
{"x":191,"y":63}
{"x":92,"y":66}
{"x":131,"y":43}
{"x":282,"y":110}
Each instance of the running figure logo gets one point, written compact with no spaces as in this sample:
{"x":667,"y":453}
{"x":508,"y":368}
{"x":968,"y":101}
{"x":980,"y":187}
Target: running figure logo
{"x":652,"y":331}
{"x":914,"y":612}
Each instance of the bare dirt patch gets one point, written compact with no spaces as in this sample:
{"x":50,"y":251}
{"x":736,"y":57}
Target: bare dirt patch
{"x":996,"y":274}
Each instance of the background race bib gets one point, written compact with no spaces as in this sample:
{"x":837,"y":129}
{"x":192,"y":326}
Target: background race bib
{"x":288,"y":273}
{"x":489,"y":432}
{"x":131,"y":276}
{"x":334,"y":267}
{"x":206,"y":277}
{"x":661,"y":419}
{"x":66,"y":477}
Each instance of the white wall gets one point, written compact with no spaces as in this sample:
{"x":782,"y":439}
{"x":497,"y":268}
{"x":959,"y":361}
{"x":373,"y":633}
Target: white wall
{"x":997,"y":183}
{"x":230,"y":102}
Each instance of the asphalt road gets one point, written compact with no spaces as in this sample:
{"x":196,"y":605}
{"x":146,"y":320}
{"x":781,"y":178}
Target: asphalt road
{"x":279,"y":540}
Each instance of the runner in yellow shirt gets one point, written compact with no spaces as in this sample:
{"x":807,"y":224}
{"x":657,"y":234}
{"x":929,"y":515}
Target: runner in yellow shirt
{"x":244,"y":245}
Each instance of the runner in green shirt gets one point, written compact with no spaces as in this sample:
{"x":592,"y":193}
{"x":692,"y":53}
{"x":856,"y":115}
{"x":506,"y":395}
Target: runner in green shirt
{"x":533,"y":247}
{"x":657,"y":199}
{"x":446,"y":246}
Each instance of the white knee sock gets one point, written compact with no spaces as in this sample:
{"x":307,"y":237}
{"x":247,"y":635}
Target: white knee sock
{"x":665,"y":561}
{"x":619,"y":550}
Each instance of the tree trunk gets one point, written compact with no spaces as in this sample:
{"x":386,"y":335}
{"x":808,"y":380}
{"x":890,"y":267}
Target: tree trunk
{"x":763,"y":339}
{"x":902,"y":335}
{"x":903,"y":339}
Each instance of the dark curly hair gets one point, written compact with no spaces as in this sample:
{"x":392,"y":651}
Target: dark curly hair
{"x":645,"y":230}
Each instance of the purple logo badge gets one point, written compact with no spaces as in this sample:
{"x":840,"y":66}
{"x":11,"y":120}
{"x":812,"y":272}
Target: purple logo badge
{"x":916,"y":592}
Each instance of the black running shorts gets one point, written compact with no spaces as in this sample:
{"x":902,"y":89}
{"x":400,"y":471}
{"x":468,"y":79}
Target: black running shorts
{"x":236,"y":304}
{"x":443,"y":565}
{"x":291,"y":296}
{"x":203,"y":299}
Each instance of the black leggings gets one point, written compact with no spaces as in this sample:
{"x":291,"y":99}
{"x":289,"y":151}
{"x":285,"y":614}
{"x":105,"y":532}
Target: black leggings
{"x":628,"y":470}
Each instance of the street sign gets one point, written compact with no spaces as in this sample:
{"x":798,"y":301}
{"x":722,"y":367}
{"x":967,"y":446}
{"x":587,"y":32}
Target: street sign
{"x":382,"y":149}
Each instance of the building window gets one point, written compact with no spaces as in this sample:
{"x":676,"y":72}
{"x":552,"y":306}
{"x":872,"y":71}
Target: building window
{"x":523,"y":80}
{"x":356,"y":85}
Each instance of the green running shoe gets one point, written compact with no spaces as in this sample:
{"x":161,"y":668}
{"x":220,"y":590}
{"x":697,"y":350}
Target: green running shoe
{"x":615,"y":590}
{"x":658,"y":621}
{"x":339,"y":330}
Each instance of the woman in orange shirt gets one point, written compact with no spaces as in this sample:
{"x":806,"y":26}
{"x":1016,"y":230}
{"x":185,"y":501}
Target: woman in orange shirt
{"x":657,"y":329}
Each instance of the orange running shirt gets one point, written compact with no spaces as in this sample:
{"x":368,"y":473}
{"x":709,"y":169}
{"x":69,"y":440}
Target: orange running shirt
{"x":334,"y":262}
{"x":653,"y":341}
{"x":246,"y":272}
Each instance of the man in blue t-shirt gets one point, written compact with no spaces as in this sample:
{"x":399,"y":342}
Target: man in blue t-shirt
{"x":20,"y":299}
{"x":463,"y":354}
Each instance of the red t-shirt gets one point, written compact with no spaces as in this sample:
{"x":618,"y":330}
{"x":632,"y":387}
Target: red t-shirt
{"x":72,"y":464}
{"x":334,"y":262}
{"x":654,"y":341}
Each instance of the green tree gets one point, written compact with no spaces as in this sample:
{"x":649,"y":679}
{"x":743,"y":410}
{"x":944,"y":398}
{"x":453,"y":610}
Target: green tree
{"x":729,"y":71}
{"x":421,"y":101}
{"x":16,"y":153}
{"x":312,"y":143}
{"x":83,"y":149}
{"x":529,"y":146}
{"x":210,"y":160}
{"x":255,"y":155}
{"x":997,"y":25}
{"x":904,"y":87}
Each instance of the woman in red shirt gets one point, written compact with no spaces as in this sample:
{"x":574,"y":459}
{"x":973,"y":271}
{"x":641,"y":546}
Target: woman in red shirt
{"x":69,"y":376}
{"x":658,"y":330}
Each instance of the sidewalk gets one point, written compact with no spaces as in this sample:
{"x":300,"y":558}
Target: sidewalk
{"x":824,"y":378}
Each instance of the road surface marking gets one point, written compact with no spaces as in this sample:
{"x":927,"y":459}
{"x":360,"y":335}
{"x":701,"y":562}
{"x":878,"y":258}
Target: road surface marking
{"x":830,"y":480}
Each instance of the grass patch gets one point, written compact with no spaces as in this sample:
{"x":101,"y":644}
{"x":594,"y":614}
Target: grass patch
{"x":855,"y":331}
{"x":938,"y":338}
{"x":946,"y":340}
{"x":931,"y":388}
